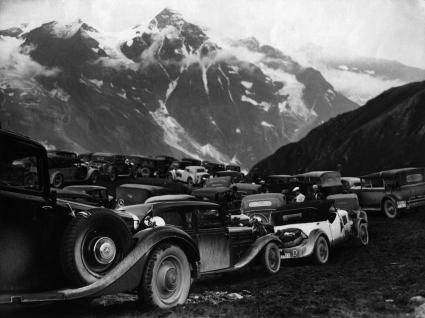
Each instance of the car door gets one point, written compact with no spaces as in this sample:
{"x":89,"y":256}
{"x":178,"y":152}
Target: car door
{"x":371,"y":193}
{"x":213,"y":240}
{"x":337,"y":229}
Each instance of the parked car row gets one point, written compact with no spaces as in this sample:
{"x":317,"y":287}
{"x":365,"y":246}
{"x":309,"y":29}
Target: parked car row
{"x":391,"y":191}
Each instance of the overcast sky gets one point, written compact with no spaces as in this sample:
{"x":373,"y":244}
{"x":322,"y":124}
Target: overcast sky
{"x":391,"y":29}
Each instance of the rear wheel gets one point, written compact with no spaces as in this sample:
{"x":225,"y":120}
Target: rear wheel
{"x":93,"y":244}
{"x":271,"y":258}
{"x":58,"y":181}
{"x":321,"y":250}
{"x":166,"y":280}
{"x":363,"y":234}
{"x":390,"y":209}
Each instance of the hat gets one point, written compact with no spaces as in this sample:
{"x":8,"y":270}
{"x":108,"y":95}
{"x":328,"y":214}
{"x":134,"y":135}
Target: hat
{"x":315,"y":186}
{"x":296,"y":189}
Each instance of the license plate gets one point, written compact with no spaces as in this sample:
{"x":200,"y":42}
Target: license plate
{"x":401,"y":204}
{"x":285,"y":255}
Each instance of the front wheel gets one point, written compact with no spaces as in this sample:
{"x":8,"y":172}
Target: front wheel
{"x":166,"y":281}
{"x":363,"y":234}
{"x":271,"y":258}
{"x":390,"y":209}
{"x":321,"y":250}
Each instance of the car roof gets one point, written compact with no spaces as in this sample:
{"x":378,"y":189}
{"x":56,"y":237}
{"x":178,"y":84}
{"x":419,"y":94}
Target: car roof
{"x":390,"y":173}
{"x":141,"y":186}
{"x":196,"y":167}
{"x":24,"y":138}
{"x":170,"y":197}
{"x":84,"y":187}
{"x":175,"y":204}
{"x":263,"y":196}
{"x":314,"y":174}
{"x":280,"y":176}
{"x":106,"y":154}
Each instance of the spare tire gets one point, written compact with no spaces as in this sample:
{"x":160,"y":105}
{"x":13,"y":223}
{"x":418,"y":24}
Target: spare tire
{"x":93,"y":243}
{"x":145,"y":172}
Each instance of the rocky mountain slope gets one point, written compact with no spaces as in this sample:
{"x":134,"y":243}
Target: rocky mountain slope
{"x":388,"y":132}
{"x":161,"y":88}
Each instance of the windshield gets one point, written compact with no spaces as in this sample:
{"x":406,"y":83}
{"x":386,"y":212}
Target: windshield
{"x":218,"y":182}
{"x":200,"y":170}
{"x":129,"y":196}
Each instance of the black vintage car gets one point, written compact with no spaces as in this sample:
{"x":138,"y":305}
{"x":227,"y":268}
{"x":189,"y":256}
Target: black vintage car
{"x":111,"y":165}
{"x":54,"y":250}
{"x":162,"y":165}
{"x":89,"y":194}
{"x":213,"y":167}
{"x":142,"y":166}
{"x":222,"y":248}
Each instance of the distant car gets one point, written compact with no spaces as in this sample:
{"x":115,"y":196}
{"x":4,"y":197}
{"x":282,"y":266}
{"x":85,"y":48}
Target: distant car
{"x":193,"y":162}
{"x":278,"y":182}
{"x":213,"y":167}
{"x":68,"y":169}
{"x":392,"y":191}
{"x":111,"y":165}
{"x":236,"y":176}
{"x":215,"y":190}
{"x":132,"y":194}
{"x":350,"y":182}
{"x":221,"y":248}
{"x":142,"y":166}
{"x":162,"y":165}
{"x":308,"y":229}
{"x":90,"y":194}
{"x":233,"y":168}
{"x":193,"y":175}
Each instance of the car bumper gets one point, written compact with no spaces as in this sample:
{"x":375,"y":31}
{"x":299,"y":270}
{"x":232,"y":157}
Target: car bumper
{"x":411,"y":203}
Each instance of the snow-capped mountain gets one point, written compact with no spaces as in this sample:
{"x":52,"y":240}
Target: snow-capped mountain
{"x":163,"y":87}
{"x":357,"y":77}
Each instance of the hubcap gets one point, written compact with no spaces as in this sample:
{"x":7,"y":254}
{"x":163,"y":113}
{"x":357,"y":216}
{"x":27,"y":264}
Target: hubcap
{"x":323,"y":250}
{"x":168,"y":279}
{"x":273,"y":259}
{"x":104,"y":250}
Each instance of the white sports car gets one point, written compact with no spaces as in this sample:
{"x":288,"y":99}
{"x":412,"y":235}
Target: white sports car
{"x":310,"y":228}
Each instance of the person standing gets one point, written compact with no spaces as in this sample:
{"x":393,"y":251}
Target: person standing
{"x":299,"y":197}
{"x":317,"y":195}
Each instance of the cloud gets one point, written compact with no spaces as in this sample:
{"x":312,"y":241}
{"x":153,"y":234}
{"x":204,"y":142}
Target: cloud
{"x":390,"y":29}
{"x":359,"y":87}
{"x":16,"y":64}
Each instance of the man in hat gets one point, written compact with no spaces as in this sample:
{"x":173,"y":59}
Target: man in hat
{"x":317,"y":195}
{"x":299,"y":197}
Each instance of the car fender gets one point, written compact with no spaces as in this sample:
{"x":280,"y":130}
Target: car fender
{"x":388,"y":197}
{"x":311,"y":241}
{"x":255,"y":249}
{"x":90,"y":171}
{"x":125,"y":276}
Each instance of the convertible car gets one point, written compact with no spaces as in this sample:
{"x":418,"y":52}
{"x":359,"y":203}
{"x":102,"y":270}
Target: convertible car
{"x":310,"y":228}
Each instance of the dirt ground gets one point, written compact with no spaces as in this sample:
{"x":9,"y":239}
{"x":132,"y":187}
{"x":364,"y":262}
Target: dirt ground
{"x":376,"y":281}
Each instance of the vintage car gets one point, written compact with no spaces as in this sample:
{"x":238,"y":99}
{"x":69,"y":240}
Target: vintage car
{"x":69,"y":169}
{"x":236,"y":176}
{"x":162,"y":166}
{"x":278,"y":182}
{"x":131,"y":194}
{"x":192,"y":175}
{"x":213,"y":167}
{"x":142,"y":166}
{"x":171,"y":198}
{"x":221,"y":248}
{"x":310,"y":228}
{"x":111,"y":165}
{"x":350,"y":182}
{"x":233,"y":168}
{"x":90,"y":194}
{"x":193,"y":161}
{"x":392,"y":191}
{"x":55,"y":250}
{"x":215,"y":189}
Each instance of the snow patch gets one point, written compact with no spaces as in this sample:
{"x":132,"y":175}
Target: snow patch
{"x":96,"y":82}
{"x":60,"y":94}
{"x":266,"y":124}
{"x":122,"y":94}
{"x":238,"y":131}
{"x":248,"y":85}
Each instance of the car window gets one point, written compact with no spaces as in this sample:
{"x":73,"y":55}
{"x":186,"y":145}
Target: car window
{"x":182,"y":218}
{"x":19,"y":169}
{"x":129,"y":196}
{"x":200,"y":170}
{"x":209,"y":218}
{"x":414,"y":178}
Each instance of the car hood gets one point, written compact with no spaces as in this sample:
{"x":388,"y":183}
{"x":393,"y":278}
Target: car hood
{"x":307,"y":228}
{"x":206,"y":192}
{"x":138,"y":210}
